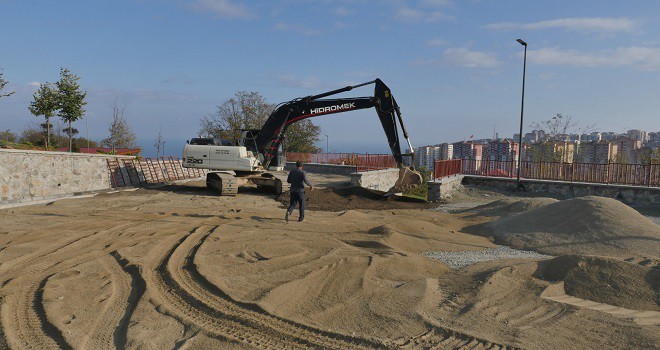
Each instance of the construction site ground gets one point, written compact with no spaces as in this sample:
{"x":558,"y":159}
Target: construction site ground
{"x":178,"y":267}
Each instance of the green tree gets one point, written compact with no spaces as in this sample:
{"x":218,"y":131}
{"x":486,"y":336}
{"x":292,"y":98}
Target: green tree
{"x":71,"y":100}
{"x":249,"y":110}
{"x":246,"y":110}
{"x":302,"y":137}
{"x":45,"y":102}
{"x":121,"y":133}
{"x":4,"y":83}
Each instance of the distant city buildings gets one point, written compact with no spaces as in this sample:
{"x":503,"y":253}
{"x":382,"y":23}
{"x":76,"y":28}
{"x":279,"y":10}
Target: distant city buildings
{"x":634,"y":146}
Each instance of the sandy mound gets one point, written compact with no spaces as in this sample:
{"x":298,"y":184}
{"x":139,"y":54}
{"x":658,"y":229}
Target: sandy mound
{"x":509,"y":206}
{"x":606,"y":281}
{"x":339,"y":199}
{"x":586,"y":225}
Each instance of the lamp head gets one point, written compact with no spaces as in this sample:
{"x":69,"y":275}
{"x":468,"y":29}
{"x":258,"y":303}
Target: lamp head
{"x":522,"y":42}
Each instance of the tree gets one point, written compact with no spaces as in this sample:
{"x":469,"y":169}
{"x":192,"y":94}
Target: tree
{"x":246,"y":110}
{"x":4,"y":83}
{"x":71,"y":100}
{"x":249,"y":110}
{"x":45,"y":102}
{"x":558,"y":128}
{"x":121,"y":133}
{"x":7,"y":136}
{"x":302,"y":137}
{"x":159,"y":143}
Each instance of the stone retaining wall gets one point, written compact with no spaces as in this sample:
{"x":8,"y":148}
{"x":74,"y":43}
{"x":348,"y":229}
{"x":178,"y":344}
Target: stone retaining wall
{"x":34,"y":175}
{"x":444,"y":187}
{"x":626,"y":194}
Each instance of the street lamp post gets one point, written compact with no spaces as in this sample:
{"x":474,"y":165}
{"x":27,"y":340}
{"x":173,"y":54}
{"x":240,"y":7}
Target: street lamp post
{"x":326,"y":144}
{"x":522,"y":108}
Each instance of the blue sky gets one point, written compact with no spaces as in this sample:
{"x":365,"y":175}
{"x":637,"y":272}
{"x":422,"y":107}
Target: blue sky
{"x":454,"y":66}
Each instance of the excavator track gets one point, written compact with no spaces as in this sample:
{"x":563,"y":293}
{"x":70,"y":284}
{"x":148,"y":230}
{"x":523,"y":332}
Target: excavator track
{"x":281,"y":185}
{"x":226,"y":184}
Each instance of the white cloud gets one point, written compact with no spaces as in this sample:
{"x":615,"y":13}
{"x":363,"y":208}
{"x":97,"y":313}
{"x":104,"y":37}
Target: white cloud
{"x":343,"y":11}
{"x":590,"y":24}
{"x":408,"y":14}
{"x":435,"y":3}
{"x":296,"y":28}
{"x":34,"y":83}
{"x":644,"y":58}
{"x":467,"y":58}
{"x":436,"y":42}
{"x":306,"y":83}
{"x":222,"y":9}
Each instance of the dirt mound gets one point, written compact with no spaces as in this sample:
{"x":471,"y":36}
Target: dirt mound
{"x":586,"y":226}
{"x":339,"y":199}
{"x":606,"y":281}
{"x":508,"y":206}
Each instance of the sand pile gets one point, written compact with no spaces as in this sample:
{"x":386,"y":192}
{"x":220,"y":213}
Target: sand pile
{"x":338,"y":199}
{"x":606,"y":281}
{"x":508,"y":206}
{"x":587,"y":225}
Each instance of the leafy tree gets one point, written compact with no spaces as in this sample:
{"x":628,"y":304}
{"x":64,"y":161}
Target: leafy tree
{"x":302,"y":137}
{"x":4,"y":83}
{"x":71,"y":100}
{"x":249,"y":110}
{"x":246,"y":110}
{"x":81,"y":142}
{"x":7,"y":135}
{"x":121,"y":133}
{"x":45,"y":103}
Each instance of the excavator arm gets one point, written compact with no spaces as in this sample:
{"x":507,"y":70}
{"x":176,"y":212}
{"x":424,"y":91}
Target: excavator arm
{"x":268,"y":139}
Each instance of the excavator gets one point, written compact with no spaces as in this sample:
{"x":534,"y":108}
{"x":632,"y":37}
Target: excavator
{"x":259,"y":154}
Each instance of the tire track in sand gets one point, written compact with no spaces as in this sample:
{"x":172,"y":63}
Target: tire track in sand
{"x":178,"y":287}
{"x":110,"y":328}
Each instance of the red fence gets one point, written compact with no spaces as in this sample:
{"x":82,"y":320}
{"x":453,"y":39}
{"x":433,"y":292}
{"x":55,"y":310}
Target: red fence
{"x":444,"y":168}
{"x":134,"y":172}
{"x":363,"y":162}
{"x":612,"y":173}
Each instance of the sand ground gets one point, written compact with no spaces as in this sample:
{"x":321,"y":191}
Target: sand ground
{"x":178,"y":267}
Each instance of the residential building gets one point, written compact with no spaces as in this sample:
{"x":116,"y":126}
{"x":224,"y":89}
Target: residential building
{"x":503,"y":150}
{"x":599,"y":152}
{"x":626,"y":146}
{"x":446,"y":151}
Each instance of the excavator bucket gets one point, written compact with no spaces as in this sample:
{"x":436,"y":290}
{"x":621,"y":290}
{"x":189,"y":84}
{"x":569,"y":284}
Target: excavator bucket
{"x":408,"y":179}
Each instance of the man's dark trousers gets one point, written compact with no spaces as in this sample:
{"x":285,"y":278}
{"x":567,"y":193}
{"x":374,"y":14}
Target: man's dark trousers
{"x":298,"y":196}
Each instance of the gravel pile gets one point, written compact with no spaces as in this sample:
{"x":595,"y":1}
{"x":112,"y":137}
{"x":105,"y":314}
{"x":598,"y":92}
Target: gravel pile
{"x":456,"y":260}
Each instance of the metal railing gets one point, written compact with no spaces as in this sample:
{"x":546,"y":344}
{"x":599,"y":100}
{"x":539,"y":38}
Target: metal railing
{"x":444,"y":168}
{"x":611,"y":173}
{"x":363,"y":162}
{"x":134,"y":172}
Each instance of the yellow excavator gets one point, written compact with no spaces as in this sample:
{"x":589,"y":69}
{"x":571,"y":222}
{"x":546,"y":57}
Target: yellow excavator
{"x":259,"y":154}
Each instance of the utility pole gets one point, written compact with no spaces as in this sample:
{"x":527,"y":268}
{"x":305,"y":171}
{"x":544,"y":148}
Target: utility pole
{"x":522,"y":108}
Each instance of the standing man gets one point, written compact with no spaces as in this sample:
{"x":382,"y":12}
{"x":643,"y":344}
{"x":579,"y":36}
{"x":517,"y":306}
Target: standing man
{"x":297,"y":178}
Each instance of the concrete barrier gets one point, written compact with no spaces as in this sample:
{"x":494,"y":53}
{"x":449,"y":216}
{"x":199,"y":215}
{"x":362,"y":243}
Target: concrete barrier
{"x":379,"y":180}
{"x":316,"y":168}
{"x":444,"y":187}
{"x":37,"y":175}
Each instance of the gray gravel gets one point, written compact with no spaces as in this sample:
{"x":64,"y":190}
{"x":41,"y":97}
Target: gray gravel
{"x":457,"y":260}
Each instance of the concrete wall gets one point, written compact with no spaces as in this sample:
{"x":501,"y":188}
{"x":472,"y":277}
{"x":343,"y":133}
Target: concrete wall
{"x":316,"y":168}
{"x":379,"y":180}
{"x":444,"y":187}
{"x":626,"y":194}
{"x":34,"y":175}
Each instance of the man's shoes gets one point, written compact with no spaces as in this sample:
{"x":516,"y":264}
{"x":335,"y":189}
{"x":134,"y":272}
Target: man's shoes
{"x":301,"y":220}
{"x":286,"y":216}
